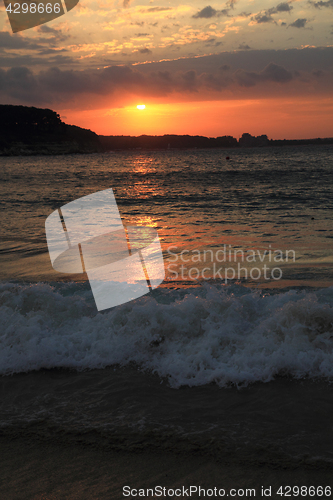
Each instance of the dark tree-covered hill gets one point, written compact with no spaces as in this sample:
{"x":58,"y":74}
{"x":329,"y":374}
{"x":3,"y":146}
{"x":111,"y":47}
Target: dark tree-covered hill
{"x":28,"y":130}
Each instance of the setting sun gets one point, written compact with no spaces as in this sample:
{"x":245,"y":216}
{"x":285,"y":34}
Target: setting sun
{"x":141,"y":106}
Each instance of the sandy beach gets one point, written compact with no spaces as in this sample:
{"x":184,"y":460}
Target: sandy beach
{"x":39,"y":470}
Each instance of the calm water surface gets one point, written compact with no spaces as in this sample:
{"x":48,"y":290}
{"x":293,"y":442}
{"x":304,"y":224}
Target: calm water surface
{"x":261,"y":199}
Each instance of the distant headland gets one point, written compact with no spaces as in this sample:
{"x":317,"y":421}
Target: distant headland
{"x":35,"y":131}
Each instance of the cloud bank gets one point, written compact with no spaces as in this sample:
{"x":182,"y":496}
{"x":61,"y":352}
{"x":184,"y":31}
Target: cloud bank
{"x":245,"y":74}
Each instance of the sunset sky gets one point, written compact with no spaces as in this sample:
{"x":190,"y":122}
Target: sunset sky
{"x":212,"y":69}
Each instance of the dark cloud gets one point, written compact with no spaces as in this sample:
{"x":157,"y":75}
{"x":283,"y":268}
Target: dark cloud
{"x":215,"y":82}
{"x":244,"y":14}
{"x":272,"y":72}
{"x":17,"y":41}
{"x":263,"y":18}
{"x":139,"y":35}
{"x":306,"y":59}
{"x":154,"y":9}
{"x":190,"y":79}
{"x":266,"y":16}
{"x":244,"y":46}
{"x":54,"y":52}
{"x":8,"y":41}
{"x":209,"y":12}
{"x":145,"y":50}
{"x":254,"y":73}
{"x":213,"y":42}
{"x":284,"y":7}
{"x":46,"y":29}
{"x":206,"y":13}
{"x":165,"y":75}
{"x":9,"y":60}
{"x":321,"y":4}
{"x":42,"y":46}
{"x":22,"y":83}
{"x":57,"y":35}
{"x":299,"y":23}
{"x":276,"y":73}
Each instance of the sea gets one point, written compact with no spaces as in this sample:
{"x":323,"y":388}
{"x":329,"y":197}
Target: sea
{"x":230,"y":357}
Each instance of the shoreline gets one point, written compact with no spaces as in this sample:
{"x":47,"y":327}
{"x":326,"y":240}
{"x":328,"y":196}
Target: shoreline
{"x":58,"y":152}
{"x":59,"y":149}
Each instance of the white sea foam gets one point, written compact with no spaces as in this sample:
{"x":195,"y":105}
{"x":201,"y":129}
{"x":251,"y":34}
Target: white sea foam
{"x":211,"y":334}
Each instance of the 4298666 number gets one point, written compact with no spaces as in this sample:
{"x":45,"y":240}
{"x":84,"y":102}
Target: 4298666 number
{"x":304,"y":491}
{"x":33,"y":8}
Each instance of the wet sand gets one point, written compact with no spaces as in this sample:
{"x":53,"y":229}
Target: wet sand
{"x":31,"y":469}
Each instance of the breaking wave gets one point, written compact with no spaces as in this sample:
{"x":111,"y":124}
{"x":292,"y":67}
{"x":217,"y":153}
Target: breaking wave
{"x":221,"y":334}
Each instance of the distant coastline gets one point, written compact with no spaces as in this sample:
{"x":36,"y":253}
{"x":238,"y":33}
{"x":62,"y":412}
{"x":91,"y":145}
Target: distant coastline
{"x":110,"y":143}
{"x":26,"y":131}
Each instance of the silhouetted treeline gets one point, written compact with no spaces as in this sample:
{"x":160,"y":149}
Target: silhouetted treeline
{"x":114,"y":142}
{"x":27,"y":130}
{"x":166,"y":142}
